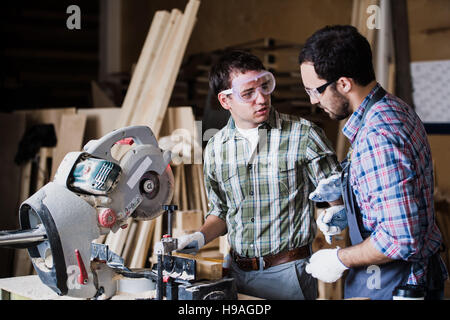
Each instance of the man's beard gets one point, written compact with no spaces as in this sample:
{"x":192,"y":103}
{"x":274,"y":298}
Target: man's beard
{"x":341,"y":112}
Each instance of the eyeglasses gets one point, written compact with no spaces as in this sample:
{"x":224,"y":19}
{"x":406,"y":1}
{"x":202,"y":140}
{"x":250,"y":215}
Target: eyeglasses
{"x":246,"y":89}
{"x":316,"y":92}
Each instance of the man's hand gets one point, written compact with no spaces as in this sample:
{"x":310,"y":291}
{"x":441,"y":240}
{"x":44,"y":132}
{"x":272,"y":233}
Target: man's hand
{"x":191,"y":243}
{"x":332,"y":221}
{"x":325,"y":265}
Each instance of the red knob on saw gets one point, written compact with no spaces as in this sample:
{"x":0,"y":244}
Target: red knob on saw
{"x":107,"y":217}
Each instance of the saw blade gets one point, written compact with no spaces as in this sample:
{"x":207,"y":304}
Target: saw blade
{"x":157,"y":190}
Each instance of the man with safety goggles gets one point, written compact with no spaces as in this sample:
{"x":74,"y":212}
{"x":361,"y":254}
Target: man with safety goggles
{"x":259,"y":170}
{"x":246,"y":89}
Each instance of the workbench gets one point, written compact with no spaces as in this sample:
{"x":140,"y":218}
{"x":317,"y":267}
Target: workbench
{"x":32,"y":288}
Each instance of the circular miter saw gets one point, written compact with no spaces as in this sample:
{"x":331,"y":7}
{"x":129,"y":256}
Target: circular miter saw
{"x":91,"y":194}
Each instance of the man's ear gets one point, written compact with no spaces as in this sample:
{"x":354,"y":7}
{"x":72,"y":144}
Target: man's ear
{"x":345,"y":84}
{"x":224,"y":101}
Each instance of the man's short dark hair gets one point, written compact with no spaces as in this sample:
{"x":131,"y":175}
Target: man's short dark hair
{"x":339,"y":51}
{"x":229,"y":62}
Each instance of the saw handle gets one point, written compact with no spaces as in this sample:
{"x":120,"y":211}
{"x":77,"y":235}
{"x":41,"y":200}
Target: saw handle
{"x":102,"y":147}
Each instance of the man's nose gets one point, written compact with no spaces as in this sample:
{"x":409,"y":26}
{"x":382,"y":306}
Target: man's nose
{"x":313,"y":99}
{"x":260,"y":97}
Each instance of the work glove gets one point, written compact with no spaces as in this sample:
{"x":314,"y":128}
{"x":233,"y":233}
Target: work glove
{"x":327,"y":190}
{"x":325,"y":265}
{"x":191,"y":243}
{"x":332,"y":221}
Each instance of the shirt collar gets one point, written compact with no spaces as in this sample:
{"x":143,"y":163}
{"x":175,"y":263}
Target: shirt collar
{"x":272,"y":122}
{"x":354,"y":123}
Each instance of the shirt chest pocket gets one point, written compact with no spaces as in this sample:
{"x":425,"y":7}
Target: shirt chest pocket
{"x":283,"y":176}
{"x":231,"y":184}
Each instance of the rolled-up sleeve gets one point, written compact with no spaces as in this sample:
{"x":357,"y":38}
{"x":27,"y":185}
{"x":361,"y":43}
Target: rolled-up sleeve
{"x":216,"y":198}
{"x":389,"y":178}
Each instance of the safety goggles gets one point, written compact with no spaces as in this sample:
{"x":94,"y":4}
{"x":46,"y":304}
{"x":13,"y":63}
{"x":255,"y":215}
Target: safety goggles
{"x":246,"y":90}
{"x":316,"y":92}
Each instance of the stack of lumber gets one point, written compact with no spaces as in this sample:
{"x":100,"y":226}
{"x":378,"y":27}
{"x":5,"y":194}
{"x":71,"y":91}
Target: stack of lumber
{"x":145,"y":103}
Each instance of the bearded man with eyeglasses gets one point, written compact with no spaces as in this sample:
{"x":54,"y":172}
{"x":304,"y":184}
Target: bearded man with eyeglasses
{"x":387,"y":177}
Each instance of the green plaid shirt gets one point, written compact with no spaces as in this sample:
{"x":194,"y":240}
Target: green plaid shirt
{"x":265,"y":201}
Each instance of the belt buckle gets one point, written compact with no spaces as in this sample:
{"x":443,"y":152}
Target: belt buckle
{"x":246,"y":264}
{"x":242,"y":263}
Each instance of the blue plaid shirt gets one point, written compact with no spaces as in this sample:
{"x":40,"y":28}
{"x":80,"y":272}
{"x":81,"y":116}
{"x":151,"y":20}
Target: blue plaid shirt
{"x":392,"y":178}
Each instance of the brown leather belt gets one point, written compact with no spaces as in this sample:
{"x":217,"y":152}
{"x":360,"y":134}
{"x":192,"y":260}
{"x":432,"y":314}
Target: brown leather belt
{"x":271,"y":260}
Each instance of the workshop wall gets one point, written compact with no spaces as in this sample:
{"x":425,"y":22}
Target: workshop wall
{"x":429,"y":29}
{"x":225,"y":23}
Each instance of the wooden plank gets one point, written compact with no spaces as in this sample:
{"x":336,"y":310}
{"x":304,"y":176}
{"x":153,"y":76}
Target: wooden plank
{"x":191,"y":195}
{"x":202,"y":189}
{"x":70,"y":139}
{"x":99,"y":122}
{"x":189,"y":221}
{"x":195,"y":190}
{"x":214,"y":244}
{"x":157,"y":92}
{"x":143,"y":243}
{"x":224,"y":246}
{"x":131,"y":107}
{"x":176,"y":177}
{"x":100,"y":239}
{"x":206,"y":268}
{"x":131,"y":234}
{"x":155,"y":101}
{"x":178,"y":118}
{"x":155,"y":72}
{"x":117,"y":242}
{"x":143,"y":66}
{"x":156,"y":236}
{"x":184,"y":204}
{"x":46,"y":116}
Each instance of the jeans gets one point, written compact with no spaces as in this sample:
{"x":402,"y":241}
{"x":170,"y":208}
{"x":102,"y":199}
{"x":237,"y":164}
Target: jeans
{"x":287,"y":281}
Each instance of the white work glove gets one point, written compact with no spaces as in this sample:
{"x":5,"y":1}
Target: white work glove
{"x":332,"y":221}
{"x":325,"y":265}
{"x":191,"y":243}
{"x":327,"y":190}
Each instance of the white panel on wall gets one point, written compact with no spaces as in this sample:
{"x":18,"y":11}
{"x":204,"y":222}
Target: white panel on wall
{"x":431,"y":90}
